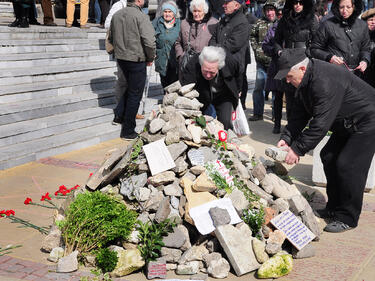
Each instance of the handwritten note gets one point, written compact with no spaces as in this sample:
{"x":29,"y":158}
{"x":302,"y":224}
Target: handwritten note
{"x":196,"y":157}
{"x":159,"y":158}
{"x":296,"y":232}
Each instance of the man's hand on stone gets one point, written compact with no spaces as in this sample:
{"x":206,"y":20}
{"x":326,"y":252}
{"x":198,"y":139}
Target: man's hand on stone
{"x":282,"y":144}
{"x":291,"y":158}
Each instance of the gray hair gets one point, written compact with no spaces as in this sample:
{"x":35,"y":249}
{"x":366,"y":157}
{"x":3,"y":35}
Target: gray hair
{"x":301,"y":63}
{"x":198,"y":4}
{"x":159,"y":12}
{"x":213,"y":54}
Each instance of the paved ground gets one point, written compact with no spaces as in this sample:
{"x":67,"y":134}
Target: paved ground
{"x":346,"y":256}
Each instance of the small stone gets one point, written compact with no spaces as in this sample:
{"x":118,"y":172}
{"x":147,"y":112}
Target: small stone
{"x":52,"y":240}
{"x":280,"y":169}
{"x":185,"y":232}
{"x":128,"y":261}
{"x":172,"y":137}
{"x":277,"y":237}
{"x":218,"y":268}
{"x":174,"y":87}
{"x":259,"y":248}
{"x":190,"y":268}
{"x":142,"y":194}
{"x":171,"y":266}
{"x":156,"y":269}
{"x":173,"y":189}
{"x":219,"y":216}
{"x":110,"y":190}
{"x":269,"y":214}
{"x":153,"y":203}
{"x":56,"y":254}
{"x":156,"y":125}
{"x":174,"y":216}
{"x":192,"y":94}
{"x":241,"y":169}
{"x":170,"y":254}
{"x":282,"y":204}
{"x":239,"y":200}
{"x":133,"y":237}
{"x":177,"y":149}
{"x":169,"y":99}
{"x":187,"y":104}
{"x":266,"y":230}
{"x":194,"y":253}
{"x":195,"y":132}
{"x":162,"y":178}
{"x":186,"y":88}
{"x":273,"y":248}
{"x":306,"y":252}
{"x":143,"y":217}
{"x":197,"y":170}
{"x":259,"y":171}
{"x":68,"y":263}
{"x":276,"y":266}
{"x":163,"y":211}
{"x":176,"y":239}
{"x":213,"y":245}
{"x":175,"y":202}
{"x":204,"y":183}
{"x":181,"y":165}
{"x":276,"y":153}
{"x":89,"y":261}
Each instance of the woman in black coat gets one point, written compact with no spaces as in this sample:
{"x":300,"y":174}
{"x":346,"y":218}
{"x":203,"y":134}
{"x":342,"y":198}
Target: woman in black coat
{"x":369,"y":17}
{"x":343,"y":39}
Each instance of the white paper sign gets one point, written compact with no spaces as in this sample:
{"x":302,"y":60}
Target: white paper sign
{"x":296,"y":232}
{"x":158,"y":157}
{"x":202,"y":218}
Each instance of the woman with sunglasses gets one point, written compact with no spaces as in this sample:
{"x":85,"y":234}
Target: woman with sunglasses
{"x":343,"y":39}
{"x":295,"y":30}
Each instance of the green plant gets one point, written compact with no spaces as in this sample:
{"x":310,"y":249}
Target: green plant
{"x":200,"y":121}
{"x":95,"y":219}
{"x":218,"y":179}
{"x":6,"y":250}
{"x":151,"y":238}
{"x":106,"y":260}
{"x":99,"y":276}
{"x":254,"y":218}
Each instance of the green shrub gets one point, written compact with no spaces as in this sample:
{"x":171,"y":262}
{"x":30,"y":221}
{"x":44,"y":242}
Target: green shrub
{"x":106,"y":260}
{"x":254,"y":218}
{"x":151,"y":238}
{"x":93,"y":220}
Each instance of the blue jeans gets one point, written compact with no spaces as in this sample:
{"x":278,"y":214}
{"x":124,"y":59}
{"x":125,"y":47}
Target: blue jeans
{"x":127,"y":108}
{"x":258,"y":93}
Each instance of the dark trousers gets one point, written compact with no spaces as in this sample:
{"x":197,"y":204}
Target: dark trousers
{"x":278,"y":107}
{"x":127,"y":108}
{"x":170,"y":77}
{"x":245,"y":88}
{"x":224,"y":113}
{"x":92,"y":11}
{"x":346,"y":160}
{"x":104,"y":8}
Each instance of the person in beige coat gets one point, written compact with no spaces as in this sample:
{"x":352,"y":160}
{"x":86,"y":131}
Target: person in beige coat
{"x":198,"y":26}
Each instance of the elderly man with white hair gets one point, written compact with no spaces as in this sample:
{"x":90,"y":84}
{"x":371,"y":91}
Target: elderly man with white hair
{"x":330,"y":98}
{"x":196,"y":30}
{"x":216,"y":78}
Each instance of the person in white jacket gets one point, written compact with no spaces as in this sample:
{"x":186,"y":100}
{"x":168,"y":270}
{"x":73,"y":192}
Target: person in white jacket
{"x":115,"y":7}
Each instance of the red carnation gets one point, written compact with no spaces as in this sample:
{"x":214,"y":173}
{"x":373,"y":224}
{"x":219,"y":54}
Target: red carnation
{"x":46,"y":196}
{"x":222,"y":135}
{"x":9,"y":212}
{"x":28,"y":201}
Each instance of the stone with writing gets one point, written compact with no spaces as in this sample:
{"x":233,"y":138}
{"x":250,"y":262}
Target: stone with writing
{"x":196,"y":157}
{"x":157,"y":269}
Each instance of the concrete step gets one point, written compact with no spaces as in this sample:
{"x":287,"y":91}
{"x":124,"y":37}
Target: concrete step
{"x":83,"y":85}
{"x":17,"y":154}
{"x":48,"y":48}
{"x":52,"y":125}
{"x":49,"y":42}
{"x":102,"y":69}
{"x":34,"y":56}
{"x":34,"y":109}
{"x":62,"y":85}
{"x":82,"y":60}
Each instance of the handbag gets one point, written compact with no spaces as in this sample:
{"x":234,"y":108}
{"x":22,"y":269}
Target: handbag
{"x":240,"y":124}
{"x":108,"y":45}
{"x":188,"y":55}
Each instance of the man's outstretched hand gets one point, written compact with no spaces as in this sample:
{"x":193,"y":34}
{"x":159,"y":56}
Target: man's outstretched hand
{"x":291,"y":158}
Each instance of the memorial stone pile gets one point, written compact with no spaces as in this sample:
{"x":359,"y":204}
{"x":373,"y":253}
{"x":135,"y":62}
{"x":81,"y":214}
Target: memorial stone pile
{"x":185,"y":168}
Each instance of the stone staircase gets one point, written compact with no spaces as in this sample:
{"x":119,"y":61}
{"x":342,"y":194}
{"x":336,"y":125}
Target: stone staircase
{"x":56,"y":92}
{"x":6,"y":9}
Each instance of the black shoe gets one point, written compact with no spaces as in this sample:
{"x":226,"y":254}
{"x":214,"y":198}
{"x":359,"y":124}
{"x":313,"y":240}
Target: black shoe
{"x":91,"y":21}
{"x":15,"y":23}
{"x":256,"y":117}
{"x":34,"y":22}
{"x":276,"y":130}
{"x":23,"y":23}
{"x":117,"y":120}
{"x":336,"y":227}
{"x":325,"y":213}
{"x":132,"y":136}
{"x":51,"y":23}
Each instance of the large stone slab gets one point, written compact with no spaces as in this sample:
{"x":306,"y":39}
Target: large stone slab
{"x":236,"y":242}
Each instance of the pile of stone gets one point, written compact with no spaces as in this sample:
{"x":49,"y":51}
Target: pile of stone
{"x":173,"y":193}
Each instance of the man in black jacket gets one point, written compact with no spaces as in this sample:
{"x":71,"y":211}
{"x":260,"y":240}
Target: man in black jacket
{"x":216,"y":80}
{"x":328,"y":97}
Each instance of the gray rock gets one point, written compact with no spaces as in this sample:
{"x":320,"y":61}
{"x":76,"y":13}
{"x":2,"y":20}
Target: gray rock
{"x":197,"y":170}
{"x":209,"y":154}
{"x":89,"y":261}
{"x":181,"y":205}
{"x":259,"y":249}
{"x":162,"y":178}
{"x":143,"y":217}
{"x":280,"y":169}
{"x":213,"y":245}
{"x":174,"y":216}
{"x":218,"y":268}
{"x":269,"y":182}
{"x":241,"y":169}
{"x":190,"y":176}
{"x":156,"y":125}
{"x":185,"y":103}
{"x":170,"y":254}
{"x":153,"y":203}
{"x":210,"y":257}
{"x":175,"y":121}
{"x":259,"y":171}
{"x":157,"y":269}
{"x":187,"y":244}
{"x":177,"y":149}
{"x":192,"y":94}
{"x":276,"y":153}
{"x":171,"y":266}
{"x":190,"y":268}
{"x":56,"y":254}
{"x":142,"y":194}
{"x":163,"y":210}
{"x":139,"y":180}
{"x":148,"y":138}
{"x":273,"y":248}
{"x":282,"y":204}
{"x":196,"y":157}
{"x":175,"y":202}
{"x":169,"y":99}
{"x":176,"y":239}
{"x":129,"y":185}
{"x":110,"y":190}
{"x":68,"y":263}
{"x":172,"y":136}
{"x":134,"y":237}
{"x":186,"y":89}
{"x":173,"y":189}
{"x":236,"y":242}
{"x":239,"y":200}
{"x":194,"y":253}
{"x":260,"y":192}
{"x":306,"y":252}
{"x":52,"y":240}
{"x":181,"y":165}
{"x":195,"y":132}
{"x":188,"y":113}
{"x":174,"y":87}
{"x":219,"y":216}
{"x":200,"y":277}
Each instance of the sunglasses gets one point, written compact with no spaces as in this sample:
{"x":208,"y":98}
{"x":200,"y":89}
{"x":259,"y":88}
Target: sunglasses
{"x":298,"y":2}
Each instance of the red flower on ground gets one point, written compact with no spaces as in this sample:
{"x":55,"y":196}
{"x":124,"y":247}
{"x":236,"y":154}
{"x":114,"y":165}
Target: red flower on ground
{"x":62,"y":190}
{"x":28,"y":201}
{"x":222,"y":135}
{"x":90,"y":174}
{"x":2,"y":212}
{"x":9,"y":212}
{"x":75,"y":187}
{"x":45,"y":197}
